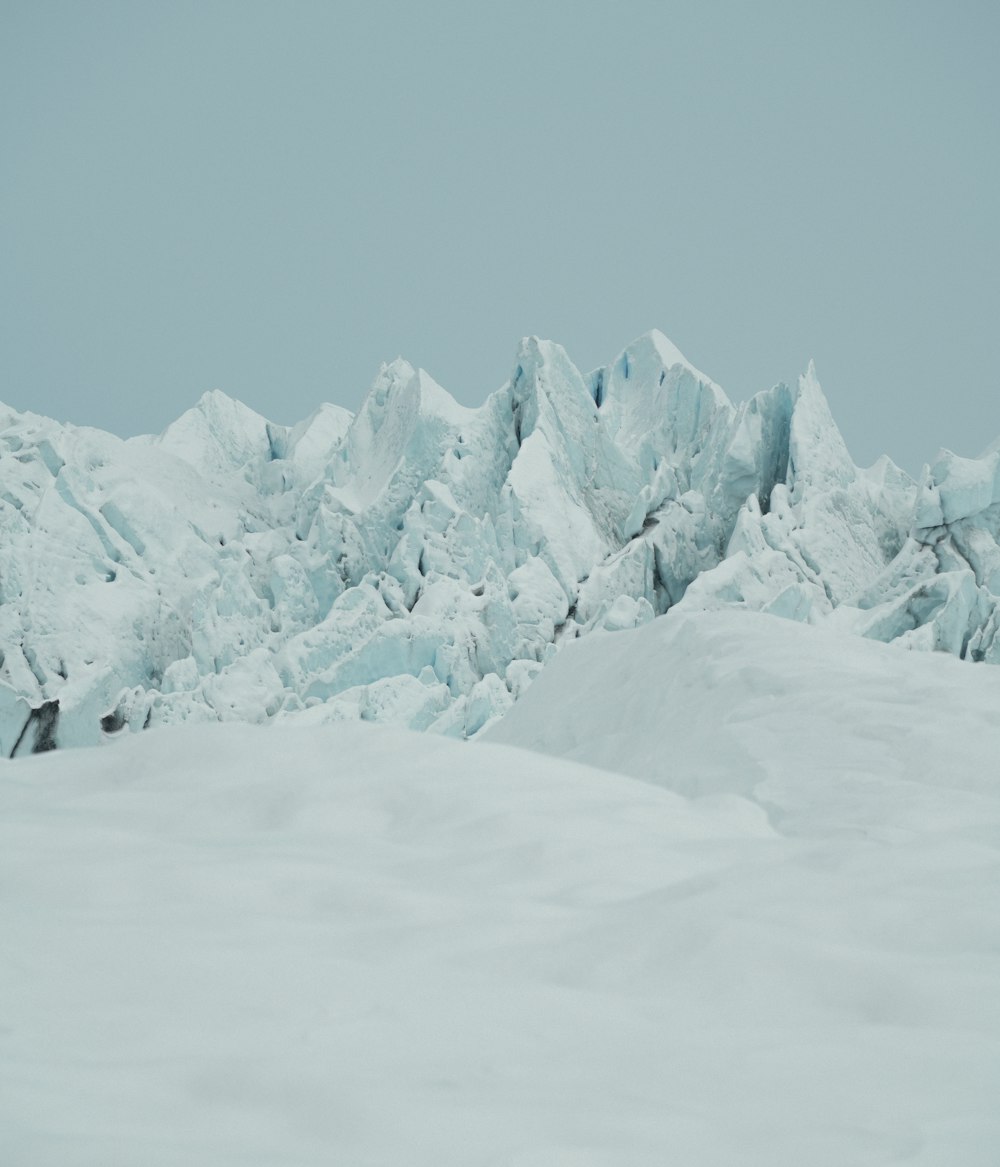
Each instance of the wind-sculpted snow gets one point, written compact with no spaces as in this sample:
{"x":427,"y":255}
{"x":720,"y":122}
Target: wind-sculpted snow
{"x":420,"y":562}
{"x":764,"y":933}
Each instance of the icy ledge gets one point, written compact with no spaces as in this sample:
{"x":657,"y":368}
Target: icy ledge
{"x":419,"y":562}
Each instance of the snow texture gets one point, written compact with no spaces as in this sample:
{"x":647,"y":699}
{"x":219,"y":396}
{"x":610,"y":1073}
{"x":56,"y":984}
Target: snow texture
{"x":419,"y":563}
{"x":738,"y":904}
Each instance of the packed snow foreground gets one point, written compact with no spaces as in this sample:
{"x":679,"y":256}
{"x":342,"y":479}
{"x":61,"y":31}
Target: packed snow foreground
{"x":737,"y":906}
{"x":420,"y":562}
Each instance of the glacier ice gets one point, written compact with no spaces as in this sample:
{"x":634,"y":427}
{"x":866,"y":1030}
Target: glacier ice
{"x":419,"y":562}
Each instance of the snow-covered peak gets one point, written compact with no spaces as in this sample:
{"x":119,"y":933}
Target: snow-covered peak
{"x":396,"y":439}
{"x":547,"y":388}
{"x":544,"y":368}
{"x":312,"y":442}
{"x":655,"y":351}
{"x":818,"y":456}
{"x":399,"y":387}
{"x":218,"y":433}
{"x":655,"y":404}
{"x":420,"y":561}
{"x":439,"y":402}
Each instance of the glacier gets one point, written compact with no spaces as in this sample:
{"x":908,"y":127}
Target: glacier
{"x":419,"y":562}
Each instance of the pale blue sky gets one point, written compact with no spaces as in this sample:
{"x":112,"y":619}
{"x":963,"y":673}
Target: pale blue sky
{"x":270,"y":199}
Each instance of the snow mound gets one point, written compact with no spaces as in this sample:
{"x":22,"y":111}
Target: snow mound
{"x":774,"y":945}
{"x":812,"y":726}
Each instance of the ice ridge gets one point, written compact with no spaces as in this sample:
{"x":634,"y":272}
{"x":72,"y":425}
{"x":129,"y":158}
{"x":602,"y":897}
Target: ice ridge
{"x":420,"y":562}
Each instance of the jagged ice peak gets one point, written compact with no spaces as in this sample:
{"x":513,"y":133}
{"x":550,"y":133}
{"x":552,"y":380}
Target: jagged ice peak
{"x":419,"y":562}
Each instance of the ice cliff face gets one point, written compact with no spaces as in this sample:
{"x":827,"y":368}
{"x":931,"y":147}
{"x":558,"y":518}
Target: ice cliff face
{"x":420,"y":562}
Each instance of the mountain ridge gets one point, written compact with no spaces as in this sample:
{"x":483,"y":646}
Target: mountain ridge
{"x":418,"y":562}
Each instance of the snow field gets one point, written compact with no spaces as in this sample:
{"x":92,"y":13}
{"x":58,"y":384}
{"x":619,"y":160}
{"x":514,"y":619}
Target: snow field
{"x":738,"y":903}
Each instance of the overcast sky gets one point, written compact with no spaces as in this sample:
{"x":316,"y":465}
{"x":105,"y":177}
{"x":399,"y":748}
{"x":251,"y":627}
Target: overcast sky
{"x":271,"y":199}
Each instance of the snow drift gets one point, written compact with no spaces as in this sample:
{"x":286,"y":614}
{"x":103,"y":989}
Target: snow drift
{"x":351,"y":945}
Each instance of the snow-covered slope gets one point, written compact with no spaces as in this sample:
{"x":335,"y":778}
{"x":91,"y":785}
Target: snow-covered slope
{"x":418,"y":563}
{"x":815,"y":742}
{"x":350,"y":945}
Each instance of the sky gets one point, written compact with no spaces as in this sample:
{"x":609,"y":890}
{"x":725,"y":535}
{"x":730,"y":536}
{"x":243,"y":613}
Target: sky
{"x":273,"y":198}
